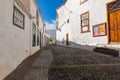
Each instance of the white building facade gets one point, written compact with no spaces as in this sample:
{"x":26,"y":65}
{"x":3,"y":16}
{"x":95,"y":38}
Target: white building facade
{"x":88,"y":22}
{"x":21,"y":33}
{"x":46,"y":39}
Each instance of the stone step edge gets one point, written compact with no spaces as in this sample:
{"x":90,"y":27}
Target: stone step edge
{"x":69,"y":66}
{"x":97,"y":49}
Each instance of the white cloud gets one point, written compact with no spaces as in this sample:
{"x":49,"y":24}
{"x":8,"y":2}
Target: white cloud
{"x":50,"y":26}
{"x":53,"y":21}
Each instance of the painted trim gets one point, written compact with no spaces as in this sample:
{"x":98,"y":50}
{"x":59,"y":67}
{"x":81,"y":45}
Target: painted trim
{"x":20,"y":4}
{"x":15,"y":8}
{"x":105,"y":30}
{"x":85,"y":25}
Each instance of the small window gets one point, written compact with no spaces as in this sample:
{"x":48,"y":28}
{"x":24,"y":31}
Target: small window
{"x":85,"y":22}
{"x":38,"y":37}
{"x":18,"y":18}
{"x":82,"y":1}
{"x":40,"y":40}
{"x":68,"y":21}
{"x":34,"y":35}
{"x":37,"y":17}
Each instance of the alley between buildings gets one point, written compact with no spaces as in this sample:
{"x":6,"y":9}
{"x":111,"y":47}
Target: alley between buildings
{"x":64,"y":63}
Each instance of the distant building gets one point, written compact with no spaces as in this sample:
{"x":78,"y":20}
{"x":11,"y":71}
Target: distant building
{"x":89,"y":22}
{"x":21,"y":33}
{"x":46,"y":39}
{"x":52,"y":34}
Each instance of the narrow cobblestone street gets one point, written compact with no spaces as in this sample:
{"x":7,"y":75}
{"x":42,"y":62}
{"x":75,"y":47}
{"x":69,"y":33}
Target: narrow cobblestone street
{"x":64,"y":63}
{"x":60,"y":40}
{"x":40,"y":67}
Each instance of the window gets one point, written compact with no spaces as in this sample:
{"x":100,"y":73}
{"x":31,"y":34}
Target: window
{"x":40,"y":40}
{"x":18,"y":18}
{"x":37,"y":17}
{"x":82,"y":1}
{"x":85,"y":22}
{"x":68,"y":21}
{"x":34,"y":35}
{"x":38,"y":37}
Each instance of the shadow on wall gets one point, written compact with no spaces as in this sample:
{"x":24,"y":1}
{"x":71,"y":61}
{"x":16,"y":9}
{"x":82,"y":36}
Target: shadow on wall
{"x":26,"y":65}
{"x":103,"y":50}
{"x":75,"y":45}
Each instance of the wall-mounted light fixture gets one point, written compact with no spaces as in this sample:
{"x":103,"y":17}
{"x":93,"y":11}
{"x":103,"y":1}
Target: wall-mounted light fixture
{"x":61,"y":26}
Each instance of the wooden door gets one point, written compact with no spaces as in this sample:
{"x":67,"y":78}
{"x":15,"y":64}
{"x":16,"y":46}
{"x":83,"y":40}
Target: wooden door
{"x":114,"y":22}
{"x":118,"y":25}
{"x":67,"y":39}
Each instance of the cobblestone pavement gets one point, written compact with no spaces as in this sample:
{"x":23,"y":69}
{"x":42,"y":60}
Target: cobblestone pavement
{"x":40,"y":67}
{"x":64,"y":56}
{"x":65,"y":63}
{"x":79,"y":64}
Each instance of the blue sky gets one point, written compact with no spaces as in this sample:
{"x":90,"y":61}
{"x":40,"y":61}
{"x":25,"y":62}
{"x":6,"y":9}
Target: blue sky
{"x":48,"y":11}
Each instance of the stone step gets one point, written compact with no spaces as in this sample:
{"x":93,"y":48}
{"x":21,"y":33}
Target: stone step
{"x":107,"y":51}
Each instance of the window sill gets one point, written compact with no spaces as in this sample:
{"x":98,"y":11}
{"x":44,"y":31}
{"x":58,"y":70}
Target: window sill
{"x":85,"y":31}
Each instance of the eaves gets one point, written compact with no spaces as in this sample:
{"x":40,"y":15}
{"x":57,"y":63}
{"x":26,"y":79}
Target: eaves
{"x":20,"y":4}
{"x":62,"y":5}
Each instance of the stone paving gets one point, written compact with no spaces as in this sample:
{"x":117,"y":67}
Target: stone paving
{"x":65,"y":63}
{"x":64,"y":56}
{"x":40,"y":67}
{"x":78,"y":64}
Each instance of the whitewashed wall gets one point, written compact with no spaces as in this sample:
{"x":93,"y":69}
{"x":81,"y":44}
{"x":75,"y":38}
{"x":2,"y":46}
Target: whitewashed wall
{"x":14,"y":41}
{"x":63,"y":16}
{"x":33,"y":9}
{"x":41,"y":26}
{"x":97,"y":12}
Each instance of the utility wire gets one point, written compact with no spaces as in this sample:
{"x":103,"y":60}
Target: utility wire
{"x":67,"y":8}
{"x":68,"y":11}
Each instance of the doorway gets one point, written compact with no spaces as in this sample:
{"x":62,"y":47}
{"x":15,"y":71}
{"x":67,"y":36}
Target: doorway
{"x":114,"y":26}
{"x":114,"y":21}
{"x":67,"y":39}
